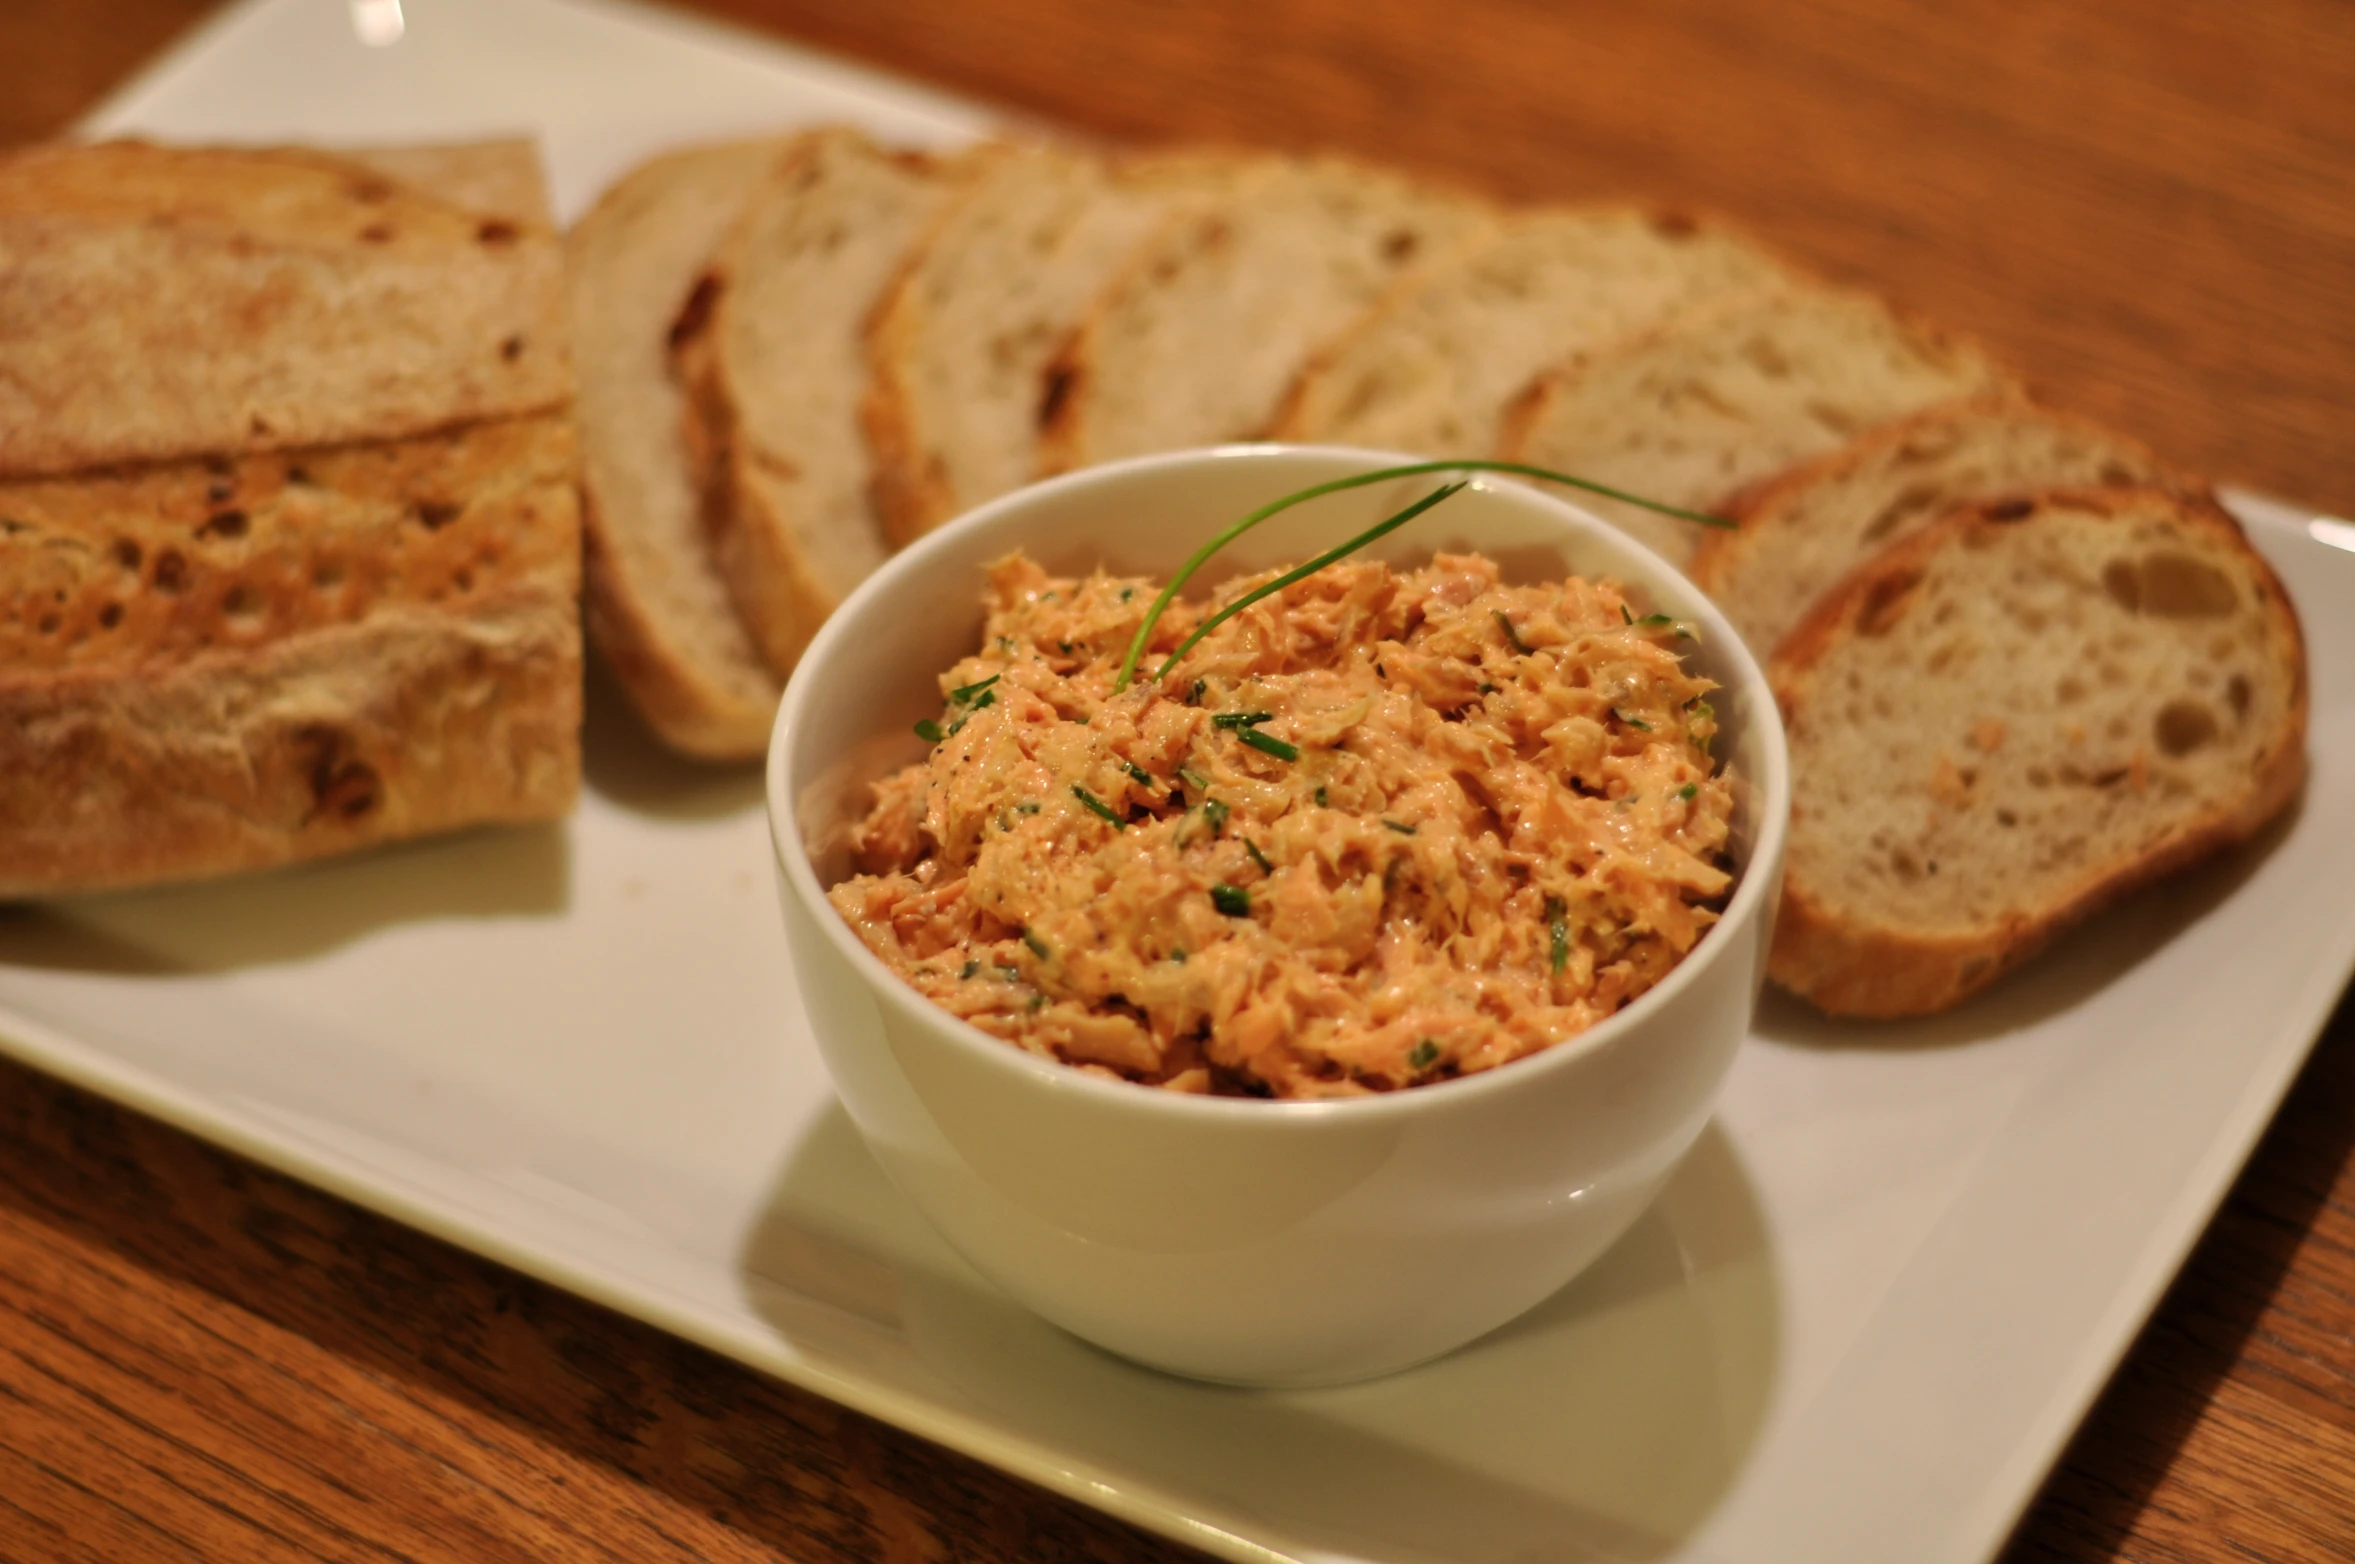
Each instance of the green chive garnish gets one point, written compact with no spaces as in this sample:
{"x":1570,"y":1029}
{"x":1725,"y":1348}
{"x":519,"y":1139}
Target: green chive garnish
{"x":1241,"y":719}
{"x":1201,"y":556}
{"x":1422,"y":1056}
{"x":1139,"y":773}
{"x":1096,"y":806}
{"x":1321,"y":798}
{"x":1513,"y":636}
{"x":1687,"y":791}
{"x":1194,"y":779}
{"x":1215,"y":811}
{"x":1558,"y":929}
{"x":1400,"y":827}
{"x":965,"y":693}
{"x":929,"y":731}
{"x":1268,"y":744}
{"x":1038,"y":947}
{"x":1633,"y":722}
{"x":1232,"y":900}
{"x":1257,"y":856}
{"x":972,"y":969}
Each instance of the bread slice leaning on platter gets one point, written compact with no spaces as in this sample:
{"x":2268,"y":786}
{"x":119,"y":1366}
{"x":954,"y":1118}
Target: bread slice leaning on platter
{"x":265,"y":594}
{"x":2010,"y":719}
{"x":658,"y":609}
{"x":773,"y":357}
{"x":1732,"y":391}
{"x":1797,"y":534}
{"x":1199,"y":336}
{"x":1433,"y":366}
{"x":959,"y":346}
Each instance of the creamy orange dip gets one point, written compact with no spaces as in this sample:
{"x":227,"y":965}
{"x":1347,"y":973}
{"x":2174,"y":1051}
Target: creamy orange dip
{"x":1380,"y":829}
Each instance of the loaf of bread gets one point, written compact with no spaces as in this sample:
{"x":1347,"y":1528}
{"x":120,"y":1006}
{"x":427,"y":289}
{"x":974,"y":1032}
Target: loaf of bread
{"x":959,"y":348}
{"x":658,"y":609}
{"x":2011,"y":718}
{"x":775,"y":365}
{"x":289,"y":547}
{"x":1731,"y":392}
{"x":1797,"y":534}
{"x":1202,"y":332}
{"x":1432,"y":367}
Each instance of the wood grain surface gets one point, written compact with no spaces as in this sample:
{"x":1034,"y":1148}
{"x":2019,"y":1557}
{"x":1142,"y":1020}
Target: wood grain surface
{"x":2150,"y":204}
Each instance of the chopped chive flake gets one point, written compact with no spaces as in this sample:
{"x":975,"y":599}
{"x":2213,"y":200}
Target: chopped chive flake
{"x":1028,"y":806}
{"x":1138,"y":772}
{"x":1487,"y":688}
{"x":1624,"y":616}
{"x":1257,"y":856}
{"x":1194,"y":779}
{"x":1127,"y":592}
{"x":1096,"y":806}
{"x":1687,"y":791}
{"x":1241,"y":719}
{"x":1038,"y":947}
{"x":929,"y":731}
{"x":1038,"y":1001}
{"x":1400,"y":827}
{"x":1513,"y":636}
{"x":1178,"y":955}
{"x":1422,"y":1056}
{"x":1557,"y":923}
{"x":1268,"y":744}
{"x":1232,"y":900}
{"x":965,"y":693}
{"x":1215,"y":811}
{"x":1633,"y":722}
{"x":1010,"y":974}
{"x":1194,"y":695}
{"x":1321,"y":804}
{"x":1652,"y":621}
{"x":972,"y":970}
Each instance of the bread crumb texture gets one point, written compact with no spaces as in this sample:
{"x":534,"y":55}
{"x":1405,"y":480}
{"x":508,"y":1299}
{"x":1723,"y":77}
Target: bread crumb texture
{"x":2004,"y":723}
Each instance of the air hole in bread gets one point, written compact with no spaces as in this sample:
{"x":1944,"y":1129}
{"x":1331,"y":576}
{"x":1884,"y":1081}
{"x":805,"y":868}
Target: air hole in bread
{"x":327,"y":575}
{"x":2236,"y":695}
{"x":1767,"y":358}
{"x":1884,"y":603}
{"x":47,"y":624}
{"x":171,"y":571}
{"x":434,"y":515}
{"x":376,"y":233}
{"x":127,"y":554}
{"x":2071,"y":691}
{"x":238,"y":606}
{"x":1910,"y":501}
{"x":2183,"y":726}
{"x":2114,"y":474}
{"x":688,"y":324}
{"x":218,"y":491}
{"x":463,"y":580}
{"x":1399,"y":245}
{"x":223,"y":524}
{"x":111,"y":615}
{"x":511,"y":349}
{"x":497,"y":231}
{"x":2005,"y":817}
{"x":299,"y":475}
{"x":1837,"y":419}
{"x":2177,"y":586}
{"x":2010,"y":510}
{"x":2038,"y":776}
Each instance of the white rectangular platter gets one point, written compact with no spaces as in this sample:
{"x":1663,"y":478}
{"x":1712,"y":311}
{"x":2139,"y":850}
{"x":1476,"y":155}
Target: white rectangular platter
{"x":1859,"y":1325}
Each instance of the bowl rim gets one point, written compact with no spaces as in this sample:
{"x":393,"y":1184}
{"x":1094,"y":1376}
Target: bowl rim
{"x":1771,"y":786}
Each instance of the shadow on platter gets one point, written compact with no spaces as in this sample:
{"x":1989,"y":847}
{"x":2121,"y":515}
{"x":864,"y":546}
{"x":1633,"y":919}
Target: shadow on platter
{"x":623,"y":762}
{"x":298,"y":912}
{"x":2080,"y":964}
{"x":1607,"y":1423}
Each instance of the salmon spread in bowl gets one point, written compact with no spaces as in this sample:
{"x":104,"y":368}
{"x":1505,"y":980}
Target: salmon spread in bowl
{"x":1379,"y":829}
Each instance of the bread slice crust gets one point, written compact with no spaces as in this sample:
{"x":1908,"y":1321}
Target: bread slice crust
{"x":1855,"y":962}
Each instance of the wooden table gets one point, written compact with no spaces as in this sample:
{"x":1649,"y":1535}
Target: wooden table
{"x":2150,"y":205}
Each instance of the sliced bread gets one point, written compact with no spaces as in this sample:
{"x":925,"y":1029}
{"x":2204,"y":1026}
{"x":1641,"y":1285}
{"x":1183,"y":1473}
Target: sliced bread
{"x":657,"y":608}
{"x":1730,"y":392}
{"x":959,"y":347}
{"x":2014,"y":716}
{"x":776,"y":365}
{"x":284,"y":299}
{"x":1210,"y":320}
{"x":1799,"y":533}
{"x":1432,"y":368}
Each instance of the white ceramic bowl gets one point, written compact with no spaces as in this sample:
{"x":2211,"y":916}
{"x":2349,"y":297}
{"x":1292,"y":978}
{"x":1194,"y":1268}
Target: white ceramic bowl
{"x":1263,"y":1243}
